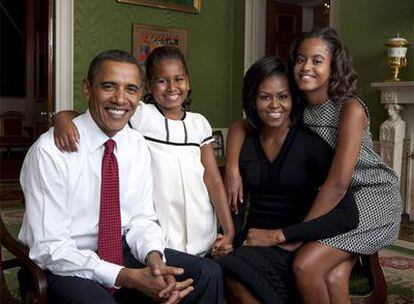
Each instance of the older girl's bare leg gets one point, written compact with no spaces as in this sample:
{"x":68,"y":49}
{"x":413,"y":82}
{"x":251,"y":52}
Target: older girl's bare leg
{"x":338,"y":282}
{"x":312,"y":264}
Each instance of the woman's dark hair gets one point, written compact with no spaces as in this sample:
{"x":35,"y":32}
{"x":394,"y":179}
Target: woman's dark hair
{"x":159,"y":54}
{"x":255,"y":75}
{"x":343,"y":78}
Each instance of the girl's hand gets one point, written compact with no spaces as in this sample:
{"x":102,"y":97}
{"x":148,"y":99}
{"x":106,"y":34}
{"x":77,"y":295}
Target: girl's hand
{"x":234,"y":188}
{"x":264,"y":237}
{"x":65,"y":134}
{"x":222,"y":246}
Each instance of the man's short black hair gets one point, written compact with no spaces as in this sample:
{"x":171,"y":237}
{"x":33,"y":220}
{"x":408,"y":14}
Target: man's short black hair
{"x":111,"y":55}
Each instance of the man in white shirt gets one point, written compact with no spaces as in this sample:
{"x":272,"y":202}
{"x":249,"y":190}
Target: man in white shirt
{"x":63,"y":198}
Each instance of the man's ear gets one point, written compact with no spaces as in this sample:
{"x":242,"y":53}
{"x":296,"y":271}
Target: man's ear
{"x":86,"y":88}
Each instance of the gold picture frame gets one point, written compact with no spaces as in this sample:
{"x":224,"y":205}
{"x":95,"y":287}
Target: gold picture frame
{"x":145,"y":38}
{"x":188,"y":6}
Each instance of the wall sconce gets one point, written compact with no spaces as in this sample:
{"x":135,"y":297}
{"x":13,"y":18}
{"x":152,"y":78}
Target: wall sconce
{"x":326,"y":8}
{"x":397,"y":50}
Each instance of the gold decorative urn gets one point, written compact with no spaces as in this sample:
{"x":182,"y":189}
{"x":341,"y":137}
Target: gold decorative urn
{"x":397,"y":50}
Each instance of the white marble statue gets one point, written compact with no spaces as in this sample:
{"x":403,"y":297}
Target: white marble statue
{"x":392,"y":134}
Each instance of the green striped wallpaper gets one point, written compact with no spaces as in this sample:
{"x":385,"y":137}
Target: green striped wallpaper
{"x":365,"y":26}
{"x":214,"y":47}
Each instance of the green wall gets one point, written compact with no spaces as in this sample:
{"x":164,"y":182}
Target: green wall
{"x":365,"y":25}
{"x":214,"y":48}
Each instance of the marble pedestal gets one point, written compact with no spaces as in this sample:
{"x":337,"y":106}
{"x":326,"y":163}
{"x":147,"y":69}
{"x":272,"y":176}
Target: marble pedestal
{"x":397,"y":144}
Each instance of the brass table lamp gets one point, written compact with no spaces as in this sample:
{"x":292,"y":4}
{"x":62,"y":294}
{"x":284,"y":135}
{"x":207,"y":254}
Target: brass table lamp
{"x":397,"y":50}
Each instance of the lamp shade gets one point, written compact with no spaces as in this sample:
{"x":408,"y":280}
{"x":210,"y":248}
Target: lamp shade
{"x":397,"y":46}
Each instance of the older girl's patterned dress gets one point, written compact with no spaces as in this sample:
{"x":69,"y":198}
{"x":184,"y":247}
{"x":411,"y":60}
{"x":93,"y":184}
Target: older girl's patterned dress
{"x":375,"y":186}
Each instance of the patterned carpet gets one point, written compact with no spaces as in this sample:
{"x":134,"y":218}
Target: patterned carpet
{"x":397,"y":261}
{"x":398,"y":265}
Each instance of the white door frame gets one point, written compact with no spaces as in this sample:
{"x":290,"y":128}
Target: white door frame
{"x":64,"y":28}
{"x":255,"y":28}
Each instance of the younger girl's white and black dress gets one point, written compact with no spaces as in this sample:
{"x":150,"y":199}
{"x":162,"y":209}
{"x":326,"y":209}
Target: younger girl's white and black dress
{"x":181,"y":200}
{"x":375,"y":186}
{"x":280,"y":194}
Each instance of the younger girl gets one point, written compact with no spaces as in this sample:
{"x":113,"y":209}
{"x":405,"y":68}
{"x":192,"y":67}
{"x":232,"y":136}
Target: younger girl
{"x":323,"y":72}
{"x":185,"y":171}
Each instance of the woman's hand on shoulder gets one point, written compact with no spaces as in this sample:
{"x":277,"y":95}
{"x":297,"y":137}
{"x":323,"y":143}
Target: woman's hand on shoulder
{"x":65,"y":134}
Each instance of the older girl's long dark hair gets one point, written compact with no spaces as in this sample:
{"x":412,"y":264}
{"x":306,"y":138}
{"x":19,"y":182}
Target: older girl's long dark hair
{"x":343,"y":78}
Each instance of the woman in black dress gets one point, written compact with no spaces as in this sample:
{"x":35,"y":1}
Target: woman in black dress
{"x":282,"y":165}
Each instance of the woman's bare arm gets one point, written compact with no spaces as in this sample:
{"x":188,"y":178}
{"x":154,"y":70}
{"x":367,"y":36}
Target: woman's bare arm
{"x":232,"y":180}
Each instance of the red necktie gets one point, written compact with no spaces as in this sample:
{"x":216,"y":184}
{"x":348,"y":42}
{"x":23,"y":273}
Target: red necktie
{"x":110,"y":233}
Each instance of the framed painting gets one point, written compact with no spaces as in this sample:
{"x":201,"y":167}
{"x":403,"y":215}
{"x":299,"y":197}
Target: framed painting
{"x":145,"y":38}
{"x":189,"y":6}
{"x":218,"y":143}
